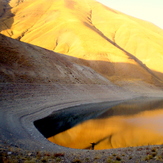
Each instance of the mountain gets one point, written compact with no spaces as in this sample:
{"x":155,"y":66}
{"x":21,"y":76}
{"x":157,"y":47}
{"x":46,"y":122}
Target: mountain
{"x":119,"y":47}
{"x":25,"y":63}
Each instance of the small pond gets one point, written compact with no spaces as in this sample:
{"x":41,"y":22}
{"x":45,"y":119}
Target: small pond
{"x":106,"y":125}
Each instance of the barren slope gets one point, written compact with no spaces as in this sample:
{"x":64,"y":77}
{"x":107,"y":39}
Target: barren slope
{"x":115,"y":45}
{"x":25,"y":63}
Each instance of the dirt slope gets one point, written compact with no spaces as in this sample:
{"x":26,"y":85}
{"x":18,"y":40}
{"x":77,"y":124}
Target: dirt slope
{"x":25,"y":63}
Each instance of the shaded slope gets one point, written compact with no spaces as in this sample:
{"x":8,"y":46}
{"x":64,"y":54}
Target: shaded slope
{"x":92,"y":32}
{"x":21,"y":62}
{"x":6,"y":17}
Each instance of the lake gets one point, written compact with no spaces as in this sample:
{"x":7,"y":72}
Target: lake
{"x":136,"y":122}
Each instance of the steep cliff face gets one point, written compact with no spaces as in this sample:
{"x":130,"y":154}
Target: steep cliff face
{"x":115,"y":45}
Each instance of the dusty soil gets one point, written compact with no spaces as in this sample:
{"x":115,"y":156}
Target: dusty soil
{"x":22,"y":104}
{"x":129,"y":155}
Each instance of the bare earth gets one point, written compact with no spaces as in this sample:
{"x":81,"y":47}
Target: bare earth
{"x":21,"y":104}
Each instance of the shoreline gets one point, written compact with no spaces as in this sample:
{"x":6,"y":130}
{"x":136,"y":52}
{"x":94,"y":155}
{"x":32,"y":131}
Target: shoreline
{"x":22,"y":104}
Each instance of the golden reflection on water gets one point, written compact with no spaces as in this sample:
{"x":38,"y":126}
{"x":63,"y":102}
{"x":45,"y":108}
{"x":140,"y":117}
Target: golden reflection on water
{"x":144,"y":128}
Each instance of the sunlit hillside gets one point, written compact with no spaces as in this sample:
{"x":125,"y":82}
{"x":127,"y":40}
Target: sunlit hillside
{"x":119,"y":47}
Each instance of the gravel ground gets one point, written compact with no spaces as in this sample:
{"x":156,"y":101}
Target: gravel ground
{"x":126,"y":155}
{"x":22,"y":104}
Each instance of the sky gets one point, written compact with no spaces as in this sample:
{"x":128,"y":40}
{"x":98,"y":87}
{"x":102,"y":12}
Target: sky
{"x":149,"y":10}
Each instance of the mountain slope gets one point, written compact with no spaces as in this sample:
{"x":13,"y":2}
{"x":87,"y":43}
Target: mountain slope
{"x":115,"y":45}
{"x":25,"y":63}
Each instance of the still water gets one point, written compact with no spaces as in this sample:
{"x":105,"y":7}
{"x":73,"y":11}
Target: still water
{"x":134,"y":123}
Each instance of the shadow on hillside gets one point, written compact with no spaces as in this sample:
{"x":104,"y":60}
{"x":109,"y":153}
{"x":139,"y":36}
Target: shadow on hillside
{"x":6,"y":16}
{"x":116,"y":71}
{"x":131,"y":56}
{"x":18,"y":67}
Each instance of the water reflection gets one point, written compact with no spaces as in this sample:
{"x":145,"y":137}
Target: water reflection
{"x":135,"y":123}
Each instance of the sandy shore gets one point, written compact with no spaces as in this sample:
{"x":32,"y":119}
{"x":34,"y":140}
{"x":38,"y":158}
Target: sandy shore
{"x":22,"y":104}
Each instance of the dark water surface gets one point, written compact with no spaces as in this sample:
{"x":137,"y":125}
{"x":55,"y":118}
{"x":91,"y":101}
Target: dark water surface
{"x":133,"y":123}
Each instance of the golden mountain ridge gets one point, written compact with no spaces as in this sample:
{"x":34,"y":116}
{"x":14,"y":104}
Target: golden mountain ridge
{"x":117,"y":46}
